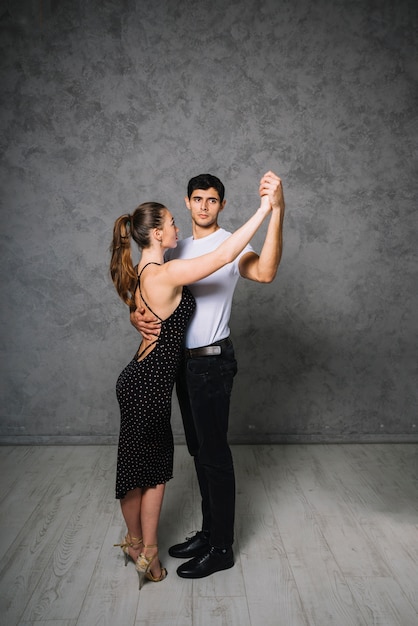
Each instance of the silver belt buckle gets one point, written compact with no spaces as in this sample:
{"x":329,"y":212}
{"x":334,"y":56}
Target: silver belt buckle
{"x":213,"y":350}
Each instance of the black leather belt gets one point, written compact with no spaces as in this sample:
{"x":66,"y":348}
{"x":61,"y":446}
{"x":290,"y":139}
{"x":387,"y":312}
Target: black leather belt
{"x":214,"y":349}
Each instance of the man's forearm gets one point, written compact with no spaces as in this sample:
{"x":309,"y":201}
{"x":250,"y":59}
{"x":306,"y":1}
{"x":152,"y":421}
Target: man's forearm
{"x":271,"y":252}
{"x":263,"y":268}
{"x":149,"y":327}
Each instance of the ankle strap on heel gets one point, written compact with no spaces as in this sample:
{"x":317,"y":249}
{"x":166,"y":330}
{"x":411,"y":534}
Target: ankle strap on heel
{"x":129,"y":542}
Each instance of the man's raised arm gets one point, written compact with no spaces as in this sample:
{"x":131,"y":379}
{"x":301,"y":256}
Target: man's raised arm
{"x":263,"y":268}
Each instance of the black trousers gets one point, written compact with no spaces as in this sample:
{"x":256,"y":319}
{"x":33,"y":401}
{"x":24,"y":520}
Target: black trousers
{"x":204,"y":386}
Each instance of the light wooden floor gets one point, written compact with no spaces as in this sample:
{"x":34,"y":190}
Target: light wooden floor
{"x":325,"y":535}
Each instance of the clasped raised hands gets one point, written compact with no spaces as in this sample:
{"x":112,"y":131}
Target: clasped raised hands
{"x":271,"y":186}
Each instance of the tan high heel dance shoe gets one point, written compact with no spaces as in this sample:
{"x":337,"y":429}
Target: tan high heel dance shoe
{"x":129,"y":542}
{"x":143,"y":565}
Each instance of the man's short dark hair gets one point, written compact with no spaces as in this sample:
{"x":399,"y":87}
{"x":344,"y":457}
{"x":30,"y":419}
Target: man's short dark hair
{"x":205,"y":181}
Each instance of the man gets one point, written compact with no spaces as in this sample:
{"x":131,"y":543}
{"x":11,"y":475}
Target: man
{"x":205,"y":378}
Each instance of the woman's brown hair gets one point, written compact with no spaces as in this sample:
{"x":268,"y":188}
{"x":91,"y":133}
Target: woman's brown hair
{"x":137,"y":226}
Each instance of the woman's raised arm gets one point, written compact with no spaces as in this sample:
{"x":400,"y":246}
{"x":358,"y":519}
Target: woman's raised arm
{"x":186,"y":271}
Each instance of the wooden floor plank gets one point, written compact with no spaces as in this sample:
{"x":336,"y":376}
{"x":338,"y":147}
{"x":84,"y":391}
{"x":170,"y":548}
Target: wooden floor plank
{"x":382,"y":602}
{"x":326,"y":535}
{"x":270,"y":587}
{"x":369,"y":480}
{"x":32,"y":475}
{"x":251,"y":496}
{"x":38,"y":536}
{"x":13,"y":464}
{"x":64,"y":582}
{"x":325,"y":595}
{"x":168,"y":603}
{"x":350,"y":546}
{"x":227,"y":583}
{"x":220,"y":611}
{"x":60,"y":622}
{"x":112,"y":596}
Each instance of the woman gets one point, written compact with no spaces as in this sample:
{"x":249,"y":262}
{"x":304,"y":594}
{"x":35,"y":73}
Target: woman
{"x":144,"y":388}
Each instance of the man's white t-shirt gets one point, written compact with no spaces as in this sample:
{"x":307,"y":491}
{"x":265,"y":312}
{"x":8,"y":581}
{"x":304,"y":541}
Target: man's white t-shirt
{"x":213,"y":294}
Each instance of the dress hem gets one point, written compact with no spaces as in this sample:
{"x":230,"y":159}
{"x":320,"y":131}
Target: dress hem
{"x":120,"y":497}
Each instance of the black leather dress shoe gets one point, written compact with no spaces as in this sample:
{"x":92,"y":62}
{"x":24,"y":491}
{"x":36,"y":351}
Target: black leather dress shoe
{"x":212,"y":561}
{"x":193,"y":546}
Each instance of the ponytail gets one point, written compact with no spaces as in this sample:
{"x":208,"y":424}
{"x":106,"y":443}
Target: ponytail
{"x":121,"y":267}
{"x":138,"y":227}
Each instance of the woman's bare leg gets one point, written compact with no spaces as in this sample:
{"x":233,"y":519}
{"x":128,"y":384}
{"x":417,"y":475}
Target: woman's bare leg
{"x":131,"y":511}
{"x":151,"y":503}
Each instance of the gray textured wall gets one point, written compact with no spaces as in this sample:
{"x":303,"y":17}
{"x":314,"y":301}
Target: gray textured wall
{"x":105,"y":104}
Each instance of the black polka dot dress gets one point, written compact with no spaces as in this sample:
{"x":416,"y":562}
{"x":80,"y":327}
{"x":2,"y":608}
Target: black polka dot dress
{"x":144,"y":390}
